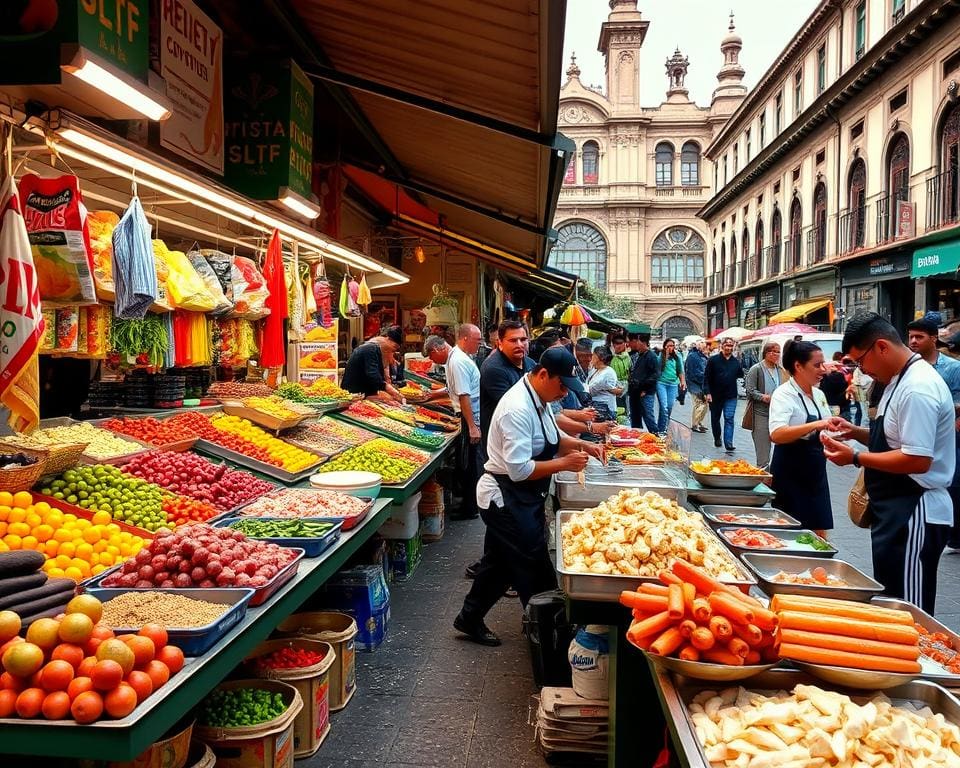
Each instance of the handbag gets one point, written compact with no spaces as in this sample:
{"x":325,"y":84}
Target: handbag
{"x":747,"y":422}
{"x":858,"y":503}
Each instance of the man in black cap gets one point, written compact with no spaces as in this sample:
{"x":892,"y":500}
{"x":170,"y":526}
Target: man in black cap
{"x":367,"y":370}
{"x":525,"y":448}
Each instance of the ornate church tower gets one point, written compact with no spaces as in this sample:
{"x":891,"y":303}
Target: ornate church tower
{"x":730,"y":89}
{"x":621,"y":37}
{"x":676,"y":67}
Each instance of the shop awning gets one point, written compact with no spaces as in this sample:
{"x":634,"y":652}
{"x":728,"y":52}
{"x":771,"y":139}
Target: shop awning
{"x":937,"y":259}
{"x":549,"y":281}
{"x":463,"y":97}
{"x":606,"y":322}
{"x":799,"y":311}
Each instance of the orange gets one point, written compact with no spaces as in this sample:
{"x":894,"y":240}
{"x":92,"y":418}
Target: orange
{"x":86,"y":666}
{"x":73,"y":573}
{"x":79,"y":685}
{"x":87,"y":707}
{"x":141,"y":683}
{"x":118,"y":651}
{"x":43,"y":532}
{"x":54,"y":573}
{"x":51,"y":548}
{"x":8,"y":703}
{"x":30,"y":701}
{"x":13,"y":542}
{"x":156,"y":632}
{"x":106,"y":675}
{"x":23,"y":659}
{"x":68,"y":549}
{"x":4,"y":512}
{"x":3,"y":529}
{"x":101,"y":518}
{"x":143,"y":649}
{"x":33,"y":519}
{"x":62,"y":561}
{"x":62,"y":535}
{"x":9,"y":625}
{"x":86,"y":604}
{"x":56,"y":675}
{"x":29,"y":542}
{"x":91,"y":535}
{"x":85,"y":551}
{"x":13,"y":683}
{"x":68,"y":652}
{"x":120,"y":702}
{"x":22,"y":499}
{"x":159,"y":673}
{"x":172,"y":657}
{"x":76,"y":628}
{"x":6,"y":498}
{"x":56,"y":705}
{"x":17,"y":515}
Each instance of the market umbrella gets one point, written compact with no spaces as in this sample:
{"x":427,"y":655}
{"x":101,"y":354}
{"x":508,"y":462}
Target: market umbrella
{"x":735,"y":332}
{"x":783,"y":329}
{"x":273,"y":349}
{"x":692,"y":339}
{"x":575,"y":314}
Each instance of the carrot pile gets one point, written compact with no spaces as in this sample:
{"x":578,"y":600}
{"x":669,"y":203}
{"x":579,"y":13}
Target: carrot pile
{"x":842,"y":633}
{"x":695,"y":617}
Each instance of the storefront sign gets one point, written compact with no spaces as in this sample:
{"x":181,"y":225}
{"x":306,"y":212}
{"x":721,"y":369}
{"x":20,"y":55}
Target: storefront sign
{"x":191,"y":63}
{"x":936,"y":259}
{"x":269,"y":130}
{"x":906,"y":219}
{"x":749,"y":302}
{"x":118,"y":31}
{"x":770,"y":298}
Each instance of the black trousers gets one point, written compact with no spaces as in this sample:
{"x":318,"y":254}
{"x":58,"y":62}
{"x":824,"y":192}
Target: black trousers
{"x":468,"y":472}
{"x":954,"y":538}
{"x":515,"y":555}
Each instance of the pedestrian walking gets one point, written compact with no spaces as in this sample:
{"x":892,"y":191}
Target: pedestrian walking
{"x":621,"y":363}
{"x":670,"y":383}
{"x":760,"y":383}
{"x":834,"y":386}
{"x":693,"y":369}
{"x":720,"y":391}
{"x":602,"y":383}
{"x":643,"y":385}
{"x":463,"y":383}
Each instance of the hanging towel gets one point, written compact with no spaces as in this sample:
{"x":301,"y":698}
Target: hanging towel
{"x":134,"y":271}
{"x":19,"y":355}
{"x":273,"y":352}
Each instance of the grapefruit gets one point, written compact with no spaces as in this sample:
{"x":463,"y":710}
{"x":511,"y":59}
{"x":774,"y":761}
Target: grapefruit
{"x":22,"y":659}
{"x":118,"y":651}
{"x":45,"y":633}
{"x":86,"y":604}
{"x":76,"y":628}
{"x":9,"y":625}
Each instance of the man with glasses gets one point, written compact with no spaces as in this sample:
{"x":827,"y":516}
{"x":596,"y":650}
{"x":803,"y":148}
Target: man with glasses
{"x":720,"y":391}
{"x":909,"y":462}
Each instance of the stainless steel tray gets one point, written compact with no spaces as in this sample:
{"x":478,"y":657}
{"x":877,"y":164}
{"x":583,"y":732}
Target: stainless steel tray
{"x":607,"y":588}
{"x":789,"y":536}
{"x":759,"y":496}
{"x":765,"y":566}
{"x":212,"y":449}
{"x":598,"y":488}
{"x":678,"y":692}
{"x":765,"y":517}
{"x":738,"y":482}
{"x":931,"y":670}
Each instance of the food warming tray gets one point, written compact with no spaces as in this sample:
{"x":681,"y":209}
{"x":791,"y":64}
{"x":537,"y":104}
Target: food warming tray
{"x":759,"y":496}
{"x":761,"y":517}
{"x":738,"y":482}
{"x":930,"y":670}
{"x":765,"y":566}
{"x":788,"y":537}
{"x":599,"y":486}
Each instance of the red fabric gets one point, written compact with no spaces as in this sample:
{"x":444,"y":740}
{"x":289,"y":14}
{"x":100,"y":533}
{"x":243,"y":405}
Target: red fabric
{"x":273,"y":349}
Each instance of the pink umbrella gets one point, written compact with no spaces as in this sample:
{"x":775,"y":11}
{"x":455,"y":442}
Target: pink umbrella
{"x":783,"y":329}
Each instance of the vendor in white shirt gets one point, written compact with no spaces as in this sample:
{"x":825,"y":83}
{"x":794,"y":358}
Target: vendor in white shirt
{"x":909,"y":463}
{"x":525,"y":449}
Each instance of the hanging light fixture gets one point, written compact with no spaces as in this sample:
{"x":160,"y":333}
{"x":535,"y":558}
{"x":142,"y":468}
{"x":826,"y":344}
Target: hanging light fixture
{"x":419,"y":254}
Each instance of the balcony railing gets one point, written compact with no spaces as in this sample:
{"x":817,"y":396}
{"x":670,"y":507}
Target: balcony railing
{"x":793,"y":253}
{"x":817,"y":244}
{"x":943,"y":199}
{"x":674,"y":288}
{"x":853,"y":230}
{"x":771,"y":259}
{"x":729,"y":280}
{"x":742,"y":277}
{"x":753,"y":268}
{"x":884,"y":230}
{"x":898,"y":13}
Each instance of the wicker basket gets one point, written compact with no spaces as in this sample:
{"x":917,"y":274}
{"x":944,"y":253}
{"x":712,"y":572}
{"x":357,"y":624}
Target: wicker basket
{"x":59,"y":458}
{"x":22,"y":478}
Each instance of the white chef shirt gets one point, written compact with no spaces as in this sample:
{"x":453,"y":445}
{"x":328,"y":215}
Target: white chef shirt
{"x":919,"y":420}
{"x":463,"y":378}
{"x":787,"y":406}
{"x":515,"y":437}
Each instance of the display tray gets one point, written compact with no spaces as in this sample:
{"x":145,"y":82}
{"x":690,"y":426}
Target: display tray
{"x":758,"y":496}
{"x":349,"y":522}
{"x":860,"y":587}
{"x":607,"y":587}
{"x":266,"y":420}
{"x":213,"y":449}
{"x":789,"y":538}
{"x":763,"y":517}
{"x":599,"y":487}
{"x":86,"y":514}
{"x":731,"y":482}
{"x":180,"y":446}
{"x":931,"y":670}
{"x":386,"y":433}
{"x":678,"y":693}
{"x":259,"y":597}
{"x":193,"y":641}
{"x":312,"y":546}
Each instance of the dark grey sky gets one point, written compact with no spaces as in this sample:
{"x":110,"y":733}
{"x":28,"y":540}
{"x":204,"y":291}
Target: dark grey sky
{"x":697,"y":27}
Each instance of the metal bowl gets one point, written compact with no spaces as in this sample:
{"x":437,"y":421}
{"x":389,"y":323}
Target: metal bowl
{"x":739,"y":482}
{"x":702,"y":670}
{"x":861,"y":679}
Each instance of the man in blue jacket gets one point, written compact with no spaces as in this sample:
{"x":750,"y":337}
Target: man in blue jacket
{"x":694,"y":369}
{"x":720,"y":390}
{"x":642,"y":385}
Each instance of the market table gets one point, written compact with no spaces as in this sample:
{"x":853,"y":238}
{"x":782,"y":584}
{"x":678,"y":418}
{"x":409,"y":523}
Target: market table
{"x":124,"y":739}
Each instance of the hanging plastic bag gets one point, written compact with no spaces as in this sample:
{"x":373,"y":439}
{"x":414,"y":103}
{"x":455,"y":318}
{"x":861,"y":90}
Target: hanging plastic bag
{"x":134,"y":272}
{"x":185,"y":288}
{"x":309,"y":299}
{"x":222,"y":266}
{"x":211,"y":281}
{"x":322,"y":294}
{"x":364,"y":299}
{"x":101,"y":225}
{"x":250,"y":290}
{"x":344,"y":305}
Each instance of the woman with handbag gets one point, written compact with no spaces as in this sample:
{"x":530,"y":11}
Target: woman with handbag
{"x":760,"y":383}
{"x":798,"y":413}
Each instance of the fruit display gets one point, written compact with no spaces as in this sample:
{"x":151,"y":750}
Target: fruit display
{"x":399,"y":451}
{"x":77,"y":668}
{"x":349,"y":434}
{"x":29,"y":591}
{"x":159,"y":432}
{"x":321,"y":392}
{"x":238,"y":707}
{"x":287,"y":658}
{"x":303,"y":502}
{"x":722,"y":467}
{"x":413,"y":392}
{"x":372,"y":410}
{"x":198,"y":478}
{"x":939,"y":648}
{"x":108,"y":489}
{"x":183,"y":511}
{"x":370,"y":414}
{"x":200,"y":425}
{"x":202,"y":556}
{"x":364,"y":459}
{"x":694,"y":617}
{"x":282,"y":454}
{"x":272,"y":406}
{"x":427,"y":417}
{"x":843,"y":633}
{"x":314,"y":440}
{"x":102,"y":445}
{"x":171,"y":611}
{"x":637,"y":533}
{"x":813,"y":727}
{"x":232,"y":390}
{"x":259,"y":528}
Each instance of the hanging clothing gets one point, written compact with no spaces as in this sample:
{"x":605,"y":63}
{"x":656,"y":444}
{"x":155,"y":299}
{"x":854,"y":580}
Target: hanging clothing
{"x":273,"y":351}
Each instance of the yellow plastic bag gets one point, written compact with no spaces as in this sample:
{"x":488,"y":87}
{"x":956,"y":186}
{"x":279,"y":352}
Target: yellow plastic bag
{"x":185,"y":288}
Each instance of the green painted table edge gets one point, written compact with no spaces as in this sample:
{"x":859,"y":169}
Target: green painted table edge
{"x":447,"y":436}
{"x":120,"y":741}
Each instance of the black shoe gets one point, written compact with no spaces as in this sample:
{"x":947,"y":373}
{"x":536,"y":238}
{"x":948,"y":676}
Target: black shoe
{"x":477,"y":633}
{"x":471,"y":570}
{"x":717,"y":443}
{"x":698,"y":429}
{"x":731,"y":448}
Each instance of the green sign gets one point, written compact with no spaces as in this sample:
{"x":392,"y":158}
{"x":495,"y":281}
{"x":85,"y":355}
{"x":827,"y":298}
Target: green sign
{"x":936,"y":259}
{"x":268,"y":114}
{"x":32,"y":33}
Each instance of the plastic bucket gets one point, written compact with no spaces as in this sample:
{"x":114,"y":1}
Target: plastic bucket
{"x":172,"y":751}
{"x":338,"y":629}
{"x":312,"y":725}
{"x":265,"y":745}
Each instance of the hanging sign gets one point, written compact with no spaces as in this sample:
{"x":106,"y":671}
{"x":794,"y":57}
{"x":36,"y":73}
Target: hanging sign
{"x":118,"y":31}
{"x":191,"y":63}
{"x":269,"y":130}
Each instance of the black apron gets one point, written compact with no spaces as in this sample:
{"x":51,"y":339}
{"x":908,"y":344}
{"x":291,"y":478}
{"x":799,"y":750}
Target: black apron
{"x":799,"y":472}
{"x":898,"y":528}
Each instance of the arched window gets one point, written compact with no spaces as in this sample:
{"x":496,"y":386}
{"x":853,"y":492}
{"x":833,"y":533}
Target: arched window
{"x":590,"y":155}
{"x":855,"y":232}
{"x":820,"y":222}
{"x":723,"y":266}
{"x":677,"y":257}
{"x":776,"y":242}
{"x":690,"y":164}
{"x":581,"y":250}
{"x":733,"y":260}
{"x":745,"y":256}
{"x":757,"y":251}
{"x":796,"y":240}
{"x":664,"y":161}
{"x":950,"y":167}
{"x":899,"y":168}
{"x":570,"y":177}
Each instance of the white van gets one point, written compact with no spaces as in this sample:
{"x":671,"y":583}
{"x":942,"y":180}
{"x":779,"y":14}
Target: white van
{"x":750,"y":349}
